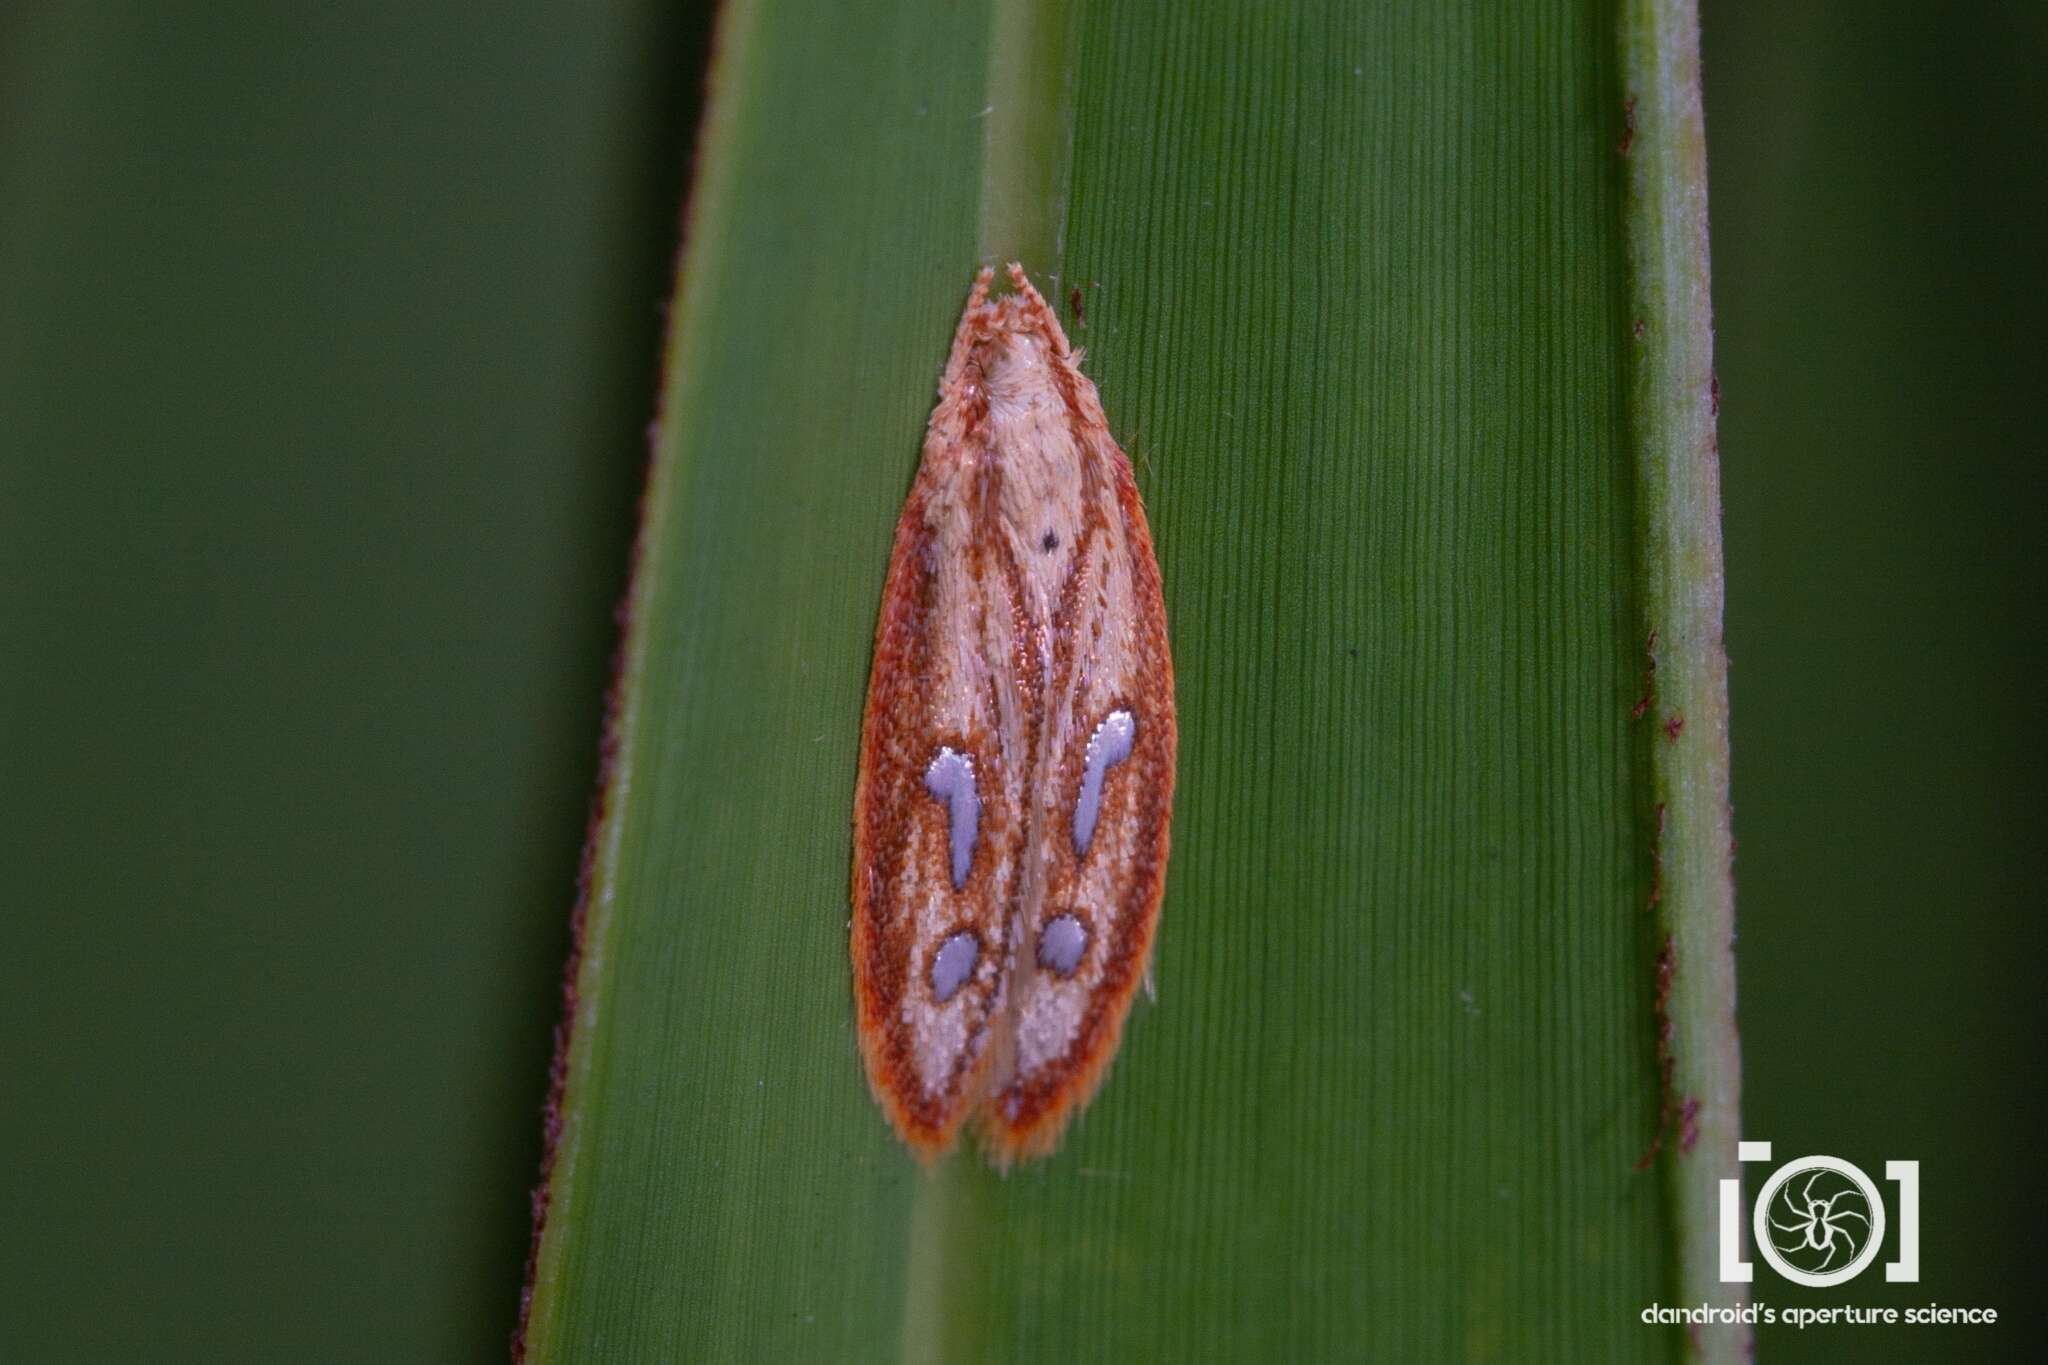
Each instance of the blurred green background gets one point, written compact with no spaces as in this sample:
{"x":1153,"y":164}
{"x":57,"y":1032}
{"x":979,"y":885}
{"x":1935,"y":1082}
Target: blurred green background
{"x":327,"y":342}
{"x":327,"y":345}
{"x":1878,"y":219}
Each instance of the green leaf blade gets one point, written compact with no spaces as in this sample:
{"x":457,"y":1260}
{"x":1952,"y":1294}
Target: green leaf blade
{"x":1356,"y":296}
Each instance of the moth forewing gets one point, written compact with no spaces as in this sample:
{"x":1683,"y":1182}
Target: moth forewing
{"x":1010,"y":825}
{"x":935,"y":798}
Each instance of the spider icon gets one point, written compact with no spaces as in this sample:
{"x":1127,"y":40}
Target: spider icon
{"x":1818,"y":1223}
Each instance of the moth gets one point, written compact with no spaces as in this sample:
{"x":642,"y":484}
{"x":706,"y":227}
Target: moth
{"x":1016,"y":762}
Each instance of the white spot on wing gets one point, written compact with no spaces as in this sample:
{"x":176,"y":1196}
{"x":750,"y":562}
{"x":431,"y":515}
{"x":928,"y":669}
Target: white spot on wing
{"x":1061,"y":944}
{"x":1107,"y":747}
{"x":950,"y":780}
{"x":954,"y":964}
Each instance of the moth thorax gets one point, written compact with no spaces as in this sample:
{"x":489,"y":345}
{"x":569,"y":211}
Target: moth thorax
{"x":1018,"y":373}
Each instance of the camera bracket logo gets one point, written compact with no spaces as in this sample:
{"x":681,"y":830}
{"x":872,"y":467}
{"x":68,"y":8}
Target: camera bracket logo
{"x":1819,"y":1220}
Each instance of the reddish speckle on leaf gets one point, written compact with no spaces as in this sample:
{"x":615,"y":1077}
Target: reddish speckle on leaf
{"x":1675,"y":726}
{"x":1642,"y":705}
{"x":553,"y":1110}
{"x":1714,"y":393}
{"x":1638,"y":328}
{"x":1688,"y":1125}
{"x":1628,"y":126}
{"x":1074,"y":302}
{"x":1657,"y":860}
{"x":1667,"y":968}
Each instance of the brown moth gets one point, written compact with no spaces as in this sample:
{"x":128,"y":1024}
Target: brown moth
{"x":1016,"y":764}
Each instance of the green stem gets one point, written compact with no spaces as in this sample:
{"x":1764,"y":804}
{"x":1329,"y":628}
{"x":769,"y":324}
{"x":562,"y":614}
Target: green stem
{"x":1030,"y":133}
{"x":1679,"y":536}
{"x":943,"y":1293}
